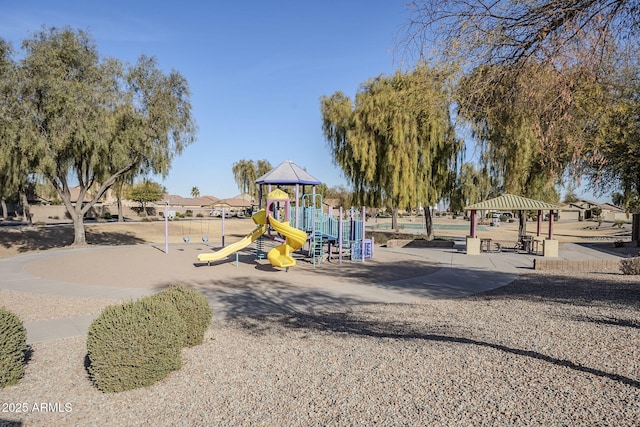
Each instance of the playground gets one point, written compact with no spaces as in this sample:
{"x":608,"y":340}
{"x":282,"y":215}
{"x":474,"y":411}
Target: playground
{"x":293,"y":221}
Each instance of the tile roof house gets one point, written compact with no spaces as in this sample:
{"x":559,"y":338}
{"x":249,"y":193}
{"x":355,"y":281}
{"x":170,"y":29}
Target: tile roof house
{"x":609,"y":211}
{"x":192,"y":202}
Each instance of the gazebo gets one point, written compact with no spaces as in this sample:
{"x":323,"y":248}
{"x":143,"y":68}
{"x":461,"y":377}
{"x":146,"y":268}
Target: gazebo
{"x":509,"y":202}
{"x":287,"y":173}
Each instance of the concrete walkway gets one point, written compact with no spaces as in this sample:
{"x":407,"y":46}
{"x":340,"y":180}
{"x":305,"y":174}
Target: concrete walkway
{"x":460,"y":275}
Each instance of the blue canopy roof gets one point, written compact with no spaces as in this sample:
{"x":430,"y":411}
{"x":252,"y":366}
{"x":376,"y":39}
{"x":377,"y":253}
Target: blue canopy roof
{"x":287,"y":173}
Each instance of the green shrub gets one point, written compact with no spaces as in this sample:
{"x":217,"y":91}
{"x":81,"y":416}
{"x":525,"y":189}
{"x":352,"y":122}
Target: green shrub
{"x":188,"y":213}
{"x":630,"y":266}
{"x":134,"y":344}
{"x":194,"y":309}
{"x":13,"y":346}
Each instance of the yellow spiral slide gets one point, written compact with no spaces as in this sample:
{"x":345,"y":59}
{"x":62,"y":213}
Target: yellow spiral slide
{"x":280,"y":256}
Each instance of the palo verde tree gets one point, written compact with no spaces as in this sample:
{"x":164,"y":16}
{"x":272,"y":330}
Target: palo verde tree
{"x":94,"y":120}
{"x":395,"y":142}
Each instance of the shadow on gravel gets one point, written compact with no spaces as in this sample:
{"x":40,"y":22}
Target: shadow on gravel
{"x":374,"y":272}
{"x":609,"y":321}
{"x":250,"y":296}
{"x":593,"y":289}
{"x":346,"y":323}
{"x":10,"y":423}
{"x":42,"y":238}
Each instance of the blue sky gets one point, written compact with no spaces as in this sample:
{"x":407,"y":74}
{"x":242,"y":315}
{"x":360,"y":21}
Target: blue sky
{"x":256,"y":69}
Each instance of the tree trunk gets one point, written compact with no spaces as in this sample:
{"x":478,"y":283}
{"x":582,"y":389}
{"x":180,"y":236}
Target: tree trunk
{"x":394,"y":219}
{"x":120,"y":215}
{"x":5,"y":213}
{"x":26,"y":210}
{"x":522,"y":225}
{"x":79,"y":235}
{"x":77,"y":216}
{"x":428,"y":223}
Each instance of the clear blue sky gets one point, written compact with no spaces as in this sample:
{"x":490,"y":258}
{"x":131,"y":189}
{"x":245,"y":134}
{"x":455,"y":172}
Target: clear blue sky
{"x":256,"y":69}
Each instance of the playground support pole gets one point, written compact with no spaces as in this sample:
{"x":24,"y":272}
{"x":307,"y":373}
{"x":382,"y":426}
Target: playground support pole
{"x":223,"y":215}
{"x":340,"y":237}
{"x":297,"y":204}
{"x":166,"y":227}
{"x":364,"y":218}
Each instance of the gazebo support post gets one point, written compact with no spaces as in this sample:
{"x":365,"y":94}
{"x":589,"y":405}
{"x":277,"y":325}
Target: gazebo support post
{"x":539,"y":228}
{"x":473,"y":243}
{"x":473,"y":224}
{"x":550,"y":246}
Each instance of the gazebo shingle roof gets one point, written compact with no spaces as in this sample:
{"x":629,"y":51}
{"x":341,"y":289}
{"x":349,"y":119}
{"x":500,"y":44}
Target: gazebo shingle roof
{"x":509,"y":202}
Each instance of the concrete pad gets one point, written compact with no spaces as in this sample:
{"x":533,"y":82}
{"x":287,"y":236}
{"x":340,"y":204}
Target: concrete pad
{"x":49,"y":330}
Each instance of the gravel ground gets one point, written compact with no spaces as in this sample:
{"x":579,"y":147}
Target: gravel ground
{"x":548,"y":349}
{"x":35,"y":307}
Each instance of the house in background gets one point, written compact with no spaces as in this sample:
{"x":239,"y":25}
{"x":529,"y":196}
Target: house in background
{"x":585,"y":211}
{"x":570,"y":213}
{"x":189,"y":202}
{"x":239,"y":205}
{"x":611,"y":212}
{"x":198,"y":205}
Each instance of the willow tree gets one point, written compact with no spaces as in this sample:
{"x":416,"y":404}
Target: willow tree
{"x":9,"y":174}
{"x":527,"y":133}
{"x":93,"y":120}
{"x":575,"y":40}
{"x":395,"y":142}
{"x":472,"y":186}
{"x":16,"y":169}
{"x":617,"y":137}
{"x":245,"y":173}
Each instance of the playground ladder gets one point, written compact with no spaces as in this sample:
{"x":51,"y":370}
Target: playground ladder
{"x":317,"y":251}
{"x":313,"y":203}
{"x":260,"y":253}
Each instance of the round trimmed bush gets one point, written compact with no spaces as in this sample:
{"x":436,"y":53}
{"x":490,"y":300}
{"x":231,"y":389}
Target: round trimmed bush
{"x":13,"y":346}
{"x":134,"y":344}
{"x":194,"y":309}
{"x":630,"y":266}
